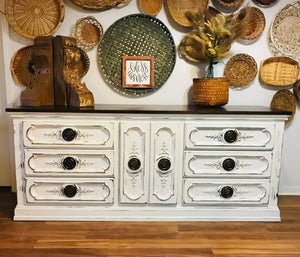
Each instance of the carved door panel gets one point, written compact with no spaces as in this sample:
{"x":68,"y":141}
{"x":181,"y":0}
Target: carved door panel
{"x":134,"y":162}
{"x":163,"y":168}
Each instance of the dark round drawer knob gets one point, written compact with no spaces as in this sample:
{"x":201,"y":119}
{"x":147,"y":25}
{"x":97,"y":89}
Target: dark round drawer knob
{"x":226,"y":192}
{"x":69,"y":163}
{"x":68,"y":134}
{"x":70,"y":191}
{"x":230,"y":136}
{"x":164,"y":164}
{"x":134,"y":164}
{"x":228,"y":164}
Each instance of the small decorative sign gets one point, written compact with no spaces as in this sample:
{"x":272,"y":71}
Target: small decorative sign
{"x":138,"y":72}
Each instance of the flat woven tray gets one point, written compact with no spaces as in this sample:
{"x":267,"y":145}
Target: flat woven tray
{"x":256,"y":24}
{"x":137,"y":35}
{"x":99,"y":5}
{"x":285,"y":31}
{"x":32,"y":18}
{"x":279,"y":71}
{"x":240,"y":70}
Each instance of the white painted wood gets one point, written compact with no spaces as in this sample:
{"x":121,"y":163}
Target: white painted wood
{"x":108,"y":187}
{"x":246,"y":163}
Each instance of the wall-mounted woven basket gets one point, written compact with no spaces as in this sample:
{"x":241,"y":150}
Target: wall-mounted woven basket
{"x":210,"y":91}
{"x":99,"y":5}
{"x":265,"y":3}
{"x":284,"y":100}
{"x":296,"y":89}
{"x":178,"y":8}
{"x":256,"y":24}
{"x":279,"y":71}
{"x":227,"y":6}
{"x":240,"y":70}
{"x":88,"y":32}
{"x":33,"y":18}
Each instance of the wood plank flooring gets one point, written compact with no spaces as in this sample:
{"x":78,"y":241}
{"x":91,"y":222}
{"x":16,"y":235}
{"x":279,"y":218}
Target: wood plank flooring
{"x":159,"y":239}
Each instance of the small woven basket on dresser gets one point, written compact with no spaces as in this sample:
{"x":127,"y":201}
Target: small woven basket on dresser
{"x":210,"y":91}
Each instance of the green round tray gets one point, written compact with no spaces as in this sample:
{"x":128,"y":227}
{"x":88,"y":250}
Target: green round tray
{"x":137,"y":35}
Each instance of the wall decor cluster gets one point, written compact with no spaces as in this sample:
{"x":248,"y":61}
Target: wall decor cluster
{"x":31,"y":18}
{"x":137,"y":35}
{"x":51,"y":70}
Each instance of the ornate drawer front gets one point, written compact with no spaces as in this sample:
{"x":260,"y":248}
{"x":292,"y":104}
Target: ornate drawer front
{"x":69,"y":190}
{"x":36,"y":134}
{"x":231,"y":163}
{"x":203,"y":135}
{"x":233,"y":191}
{"x":69,"y":162}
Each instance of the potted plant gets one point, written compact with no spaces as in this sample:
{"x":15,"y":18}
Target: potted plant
{"x":210,"y":41}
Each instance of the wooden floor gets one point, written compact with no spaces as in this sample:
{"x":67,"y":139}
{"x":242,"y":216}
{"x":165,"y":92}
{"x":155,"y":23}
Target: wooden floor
{"x":173,"y":239}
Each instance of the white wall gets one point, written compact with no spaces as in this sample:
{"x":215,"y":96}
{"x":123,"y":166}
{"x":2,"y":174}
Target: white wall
{"x":176,"y":89}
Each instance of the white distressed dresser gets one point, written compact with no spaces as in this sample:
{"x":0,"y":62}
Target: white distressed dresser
{"x":115,"y":162}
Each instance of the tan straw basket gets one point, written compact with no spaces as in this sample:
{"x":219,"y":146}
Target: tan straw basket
{"x":285,"y":100}
{"x":99,"y":5}
{"x":210,"y":91}
{"x":279,"y":71}
{"x":34,"y":18}
{"x":240,"y":70}
{"x":88,"y":32}
{"x":227,"y":5}
{"x":255,"y":26}
{"x":296,"y":89}
{"x":178,"y":8}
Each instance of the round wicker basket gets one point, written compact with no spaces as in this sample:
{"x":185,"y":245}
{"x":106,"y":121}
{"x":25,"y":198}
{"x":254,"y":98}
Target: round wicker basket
{"x":99,"y":5}
{"x":151,"y":7}
{"x":31,"y":18}
{"x":256,"y":24}
{"x":210,"y":91}
{"x":88,"y":32}
{"x":265,"y":3}
{"x":20,"y":66}
{"x":240,"y":70}
{"x":178,"y":8}
{"x":279,"y":71}
{"x":296,"y":89}
{"x":227,"y":6}
{"x":285,"y":100}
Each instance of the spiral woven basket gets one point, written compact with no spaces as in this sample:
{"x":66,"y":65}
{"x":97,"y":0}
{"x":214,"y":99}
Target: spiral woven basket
{"x":240,"y":70}
{"x":33,"y":18}
{"x":279,"y":71}
{"x":99,"y":5}
{"x":284,"y":100}
{"x":210,"y":91}
{"x":255,"y":26}
{"x":227,"y":6}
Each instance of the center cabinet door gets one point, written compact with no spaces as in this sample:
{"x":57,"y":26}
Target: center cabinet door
{"x":149,"y":161}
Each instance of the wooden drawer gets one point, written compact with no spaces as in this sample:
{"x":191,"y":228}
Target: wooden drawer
{"x":232,"y":136}
{"x":57,"y":133}
{"x":55,"y":190}
{"x":227,"y":163}
{"x":63,"y":162}
{"x":231,"y":191}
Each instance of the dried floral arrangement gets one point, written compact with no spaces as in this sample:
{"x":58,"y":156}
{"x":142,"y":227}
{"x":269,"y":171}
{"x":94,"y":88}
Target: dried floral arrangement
{"x":211,"y":37}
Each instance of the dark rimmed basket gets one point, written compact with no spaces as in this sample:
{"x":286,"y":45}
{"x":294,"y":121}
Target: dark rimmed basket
{"x":210,"y":91}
